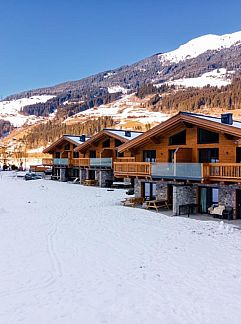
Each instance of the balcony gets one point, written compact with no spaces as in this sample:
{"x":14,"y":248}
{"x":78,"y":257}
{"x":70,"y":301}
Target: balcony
{"x":92,"y":162}
{"x":61,"y":162}
{"x":101,"y":162}
{"x":180,"y":171}
{"x":47,"y":162}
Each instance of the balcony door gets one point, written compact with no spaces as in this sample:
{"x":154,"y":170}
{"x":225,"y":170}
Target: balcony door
{"x":92,"y":154}
{"x":208,"y":155}
{"x":149,"y":156}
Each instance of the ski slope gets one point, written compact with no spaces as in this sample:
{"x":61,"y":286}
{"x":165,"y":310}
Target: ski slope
{"x":72,"y":254}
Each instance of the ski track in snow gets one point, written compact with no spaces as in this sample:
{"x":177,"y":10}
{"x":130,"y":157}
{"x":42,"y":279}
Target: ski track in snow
{"x":72,"y":255}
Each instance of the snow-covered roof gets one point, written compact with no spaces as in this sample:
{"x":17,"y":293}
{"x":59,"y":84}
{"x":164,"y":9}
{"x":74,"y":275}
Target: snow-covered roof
{"x":235,"y":124}
{"x":77,"y":139}
{"x":122,"y":133}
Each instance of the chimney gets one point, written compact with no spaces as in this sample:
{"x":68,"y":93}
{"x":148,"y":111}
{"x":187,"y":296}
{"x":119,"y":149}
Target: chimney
{"x":227,"y":119}
{"x":127,"y":133}
{"x":82,"y":138}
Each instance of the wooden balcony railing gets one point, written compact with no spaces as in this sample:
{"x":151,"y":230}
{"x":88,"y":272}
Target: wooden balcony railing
{"x":80,"y":162}
{"x":183,"y":171}
{"x":47,"y":161}
{"x":222,"y":171}
{"x":124,"y":159}
{"x":125,"y":169}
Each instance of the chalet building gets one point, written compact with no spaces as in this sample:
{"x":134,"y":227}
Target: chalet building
{"x":64,"y":161}
{"x":190,"y":159}
{"x":99,"y":152}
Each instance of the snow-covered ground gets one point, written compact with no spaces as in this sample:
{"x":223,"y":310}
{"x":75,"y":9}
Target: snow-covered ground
{"x":72,"y":254}
{"x":10,"y":110}
{"x":215,"y":78}
{"x":128,"y":108}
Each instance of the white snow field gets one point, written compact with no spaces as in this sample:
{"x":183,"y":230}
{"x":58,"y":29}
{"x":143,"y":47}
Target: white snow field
{"x":72,"y":255}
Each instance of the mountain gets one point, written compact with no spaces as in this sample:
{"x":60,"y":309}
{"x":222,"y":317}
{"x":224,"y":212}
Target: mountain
{"x":209,"y":59}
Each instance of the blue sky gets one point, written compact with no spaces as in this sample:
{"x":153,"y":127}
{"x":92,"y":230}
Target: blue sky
{"x":46,"y":42}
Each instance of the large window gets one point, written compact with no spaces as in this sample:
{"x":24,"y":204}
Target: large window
{"x":67,"y":147}
{"x":92,"y":154}
{"x":178,"y":139}
{"x":207,"y":137}
{"x":117,"y":143}
{"x":208,"y":155}
{"x":149,"y":156}
{"x":106,"y":143}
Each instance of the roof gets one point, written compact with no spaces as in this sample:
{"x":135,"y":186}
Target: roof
{"x":74,"y":139}
{"x":114,"y":133}
{"x":209,"y":122}
{"x":122,"y":133}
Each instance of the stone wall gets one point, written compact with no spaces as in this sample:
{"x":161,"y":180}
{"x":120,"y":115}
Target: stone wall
{"x":227,"y":196}
{"x":137,"y":188}
{"x":102,"y":176}
{"x":82,"y":175}
{"x":161,"y":191}
{"x":183,"y":195}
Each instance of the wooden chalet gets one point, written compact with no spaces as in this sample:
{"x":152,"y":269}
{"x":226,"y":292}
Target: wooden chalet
{"x":189,"y":159}
{"x":98,"y":154}
{"x":64,"y":161}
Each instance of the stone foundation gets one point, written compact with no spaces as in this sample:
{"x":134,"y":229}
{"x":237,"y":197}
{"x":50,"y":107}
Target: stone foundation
{"x":183,"y":195}
{"x":103,"y":176}
{"x":161,"y":191}
{"x":137,"y":188}
{"x":82,"y":175}
{"x":62,"y":175}
{"x":227,"y":197}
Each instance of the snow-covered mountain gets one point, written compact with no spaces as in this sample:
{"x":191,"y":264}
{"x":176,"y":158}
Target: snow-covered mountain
{"x":200,"y":45}
{"x":209,"y":59}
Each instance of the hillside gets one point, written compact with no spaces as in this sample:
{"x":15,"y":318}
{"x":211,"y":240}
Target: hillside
{"x":210,"y":63}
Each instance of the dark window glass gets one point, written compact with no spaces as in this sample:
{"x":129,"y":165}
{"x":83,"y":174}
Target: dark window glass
{"x":67,"y":147}
{"x":57,"y":155}
{"x":208,"y":155}
{"x":149,"y":156}
{"x":117,"y":154}
{"x":92,"y":154}
{"x":207,"y":137}
{"x":178,"y":139}
{"x":76,"y":155}
{"x":106,"y":143}
{"x":117,"y":143}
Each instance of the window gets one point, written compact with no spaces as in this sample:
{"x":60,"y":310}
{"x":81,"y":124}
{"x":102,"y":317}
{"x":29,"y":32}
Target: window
{"x":149,"y":156}
{"x":57,"y":155}
{"x":117,"y":142}
{"x":208,"y":155}
{"x":76,"y":155}
{"x":106,"y":143}
{"x":207,"y":137}
{"x":92,"y":154}
{"x":178,"y":139}
{"x":118,"y":154}
{"x":67,"y":147}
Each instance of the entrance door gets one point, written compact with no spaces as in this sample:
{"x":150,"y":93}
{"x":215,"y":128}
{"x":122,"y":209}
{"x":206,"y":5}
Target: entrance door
{"x":205,"y":197}
{"x":238,"y":155}
{"x":170,"y":195}
{"x":238,"y":203}
{"x":149,"y":190}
